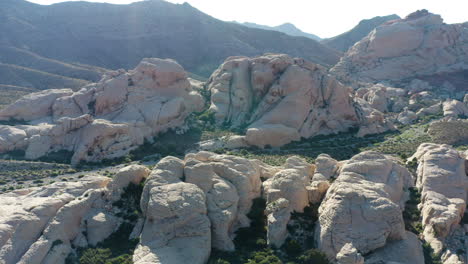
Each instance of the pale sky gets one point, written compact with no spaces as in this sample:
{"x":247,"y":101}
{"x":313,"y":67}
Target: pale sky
{"x":325,"y":18}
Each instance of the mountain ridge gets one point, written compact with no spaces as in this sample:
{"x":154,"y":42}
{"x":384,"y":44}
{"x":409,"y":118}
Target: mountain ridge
{"x":287,"y":28}
{"x":119,"y":36}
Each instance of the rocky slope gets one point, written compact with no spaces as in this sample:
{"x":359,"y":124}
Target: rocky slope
{"x":187,"y":208}
{"x":403,"y":51}
{"x":346,"y":40}
{"x":286,"y":28}
{"x":279,"y":99}
{"x":103,"y":120}
{"x":120,"y":36}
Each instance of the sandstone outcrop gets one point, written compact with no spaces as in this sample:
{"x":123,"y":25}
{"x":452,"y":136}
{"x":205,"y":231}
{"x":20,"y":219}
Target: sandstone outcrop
{"x":443,"y":182}
{"x":420,"y":45}
{"x":42,"y":224}
{"x":455,"y":109}
{"x":280,"y":99}
{"x":176,"y":228}
{"x":103,"y":120}
{"x":363,"y":206}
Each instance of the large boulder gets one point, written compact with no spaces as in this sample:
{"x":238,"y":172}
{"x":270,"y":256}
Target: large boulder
{"x":364,"y":205}
{"x":443,"y":182}
{"x":420,"y":45}
{"x":280,"y":99}
{"x":103,"y":120}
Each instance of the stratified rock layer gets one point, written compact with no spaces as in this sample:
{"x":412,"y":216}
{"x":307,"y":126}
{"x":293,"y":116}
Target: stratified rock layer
{"x":103,"y":120}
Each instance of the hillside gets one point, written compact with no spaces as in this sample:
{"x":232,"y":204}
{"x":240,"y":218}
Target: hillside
{"x":344,"y":41}
{"x":119,"y":36}
{"x":286,"y":28}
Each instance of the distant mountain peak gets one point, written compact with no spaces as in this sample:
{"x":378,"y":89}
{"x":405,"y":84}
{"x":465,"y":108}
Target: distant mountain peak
{"x":286,"y":28}
{"x":346,"y":40}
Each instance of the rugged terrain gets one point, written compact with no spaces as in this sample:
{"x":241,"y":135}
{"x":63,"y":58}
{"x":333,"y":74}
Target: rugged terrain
{"x":274,"y":159}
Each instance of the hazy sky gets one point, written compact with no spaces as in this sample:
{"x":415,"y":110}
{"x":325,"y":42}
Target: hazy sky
{"x":325,"y":18}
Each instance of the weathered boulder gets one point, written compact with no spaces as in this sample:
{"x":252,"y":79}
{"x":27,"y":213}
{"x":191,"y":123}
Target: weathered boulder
{"x":443,"y":182}
{"x":44,"y":224}
{"x":455,"y":109}
{"x":364,"y":205}
{"x":103,"y":120}
{"x":407,"y":251}
{"x":176,"y":228}
{"x":420,"y":45}
{"x":349,"y":255}
{"x":280,"y":99}
{"x":33,"y":106}
{"x":24,"y":216}
{"x":407,"y":117}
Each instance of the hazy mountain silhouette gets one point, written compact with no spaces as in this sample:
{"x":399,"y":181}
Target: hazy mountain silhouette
{"x":346,"y":40}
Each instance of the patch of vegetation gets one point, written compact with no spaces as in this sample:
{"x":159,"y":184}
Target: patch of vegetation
{"x":405,"y":142}
{"x":61,"y":156}
{"x":429,"y":256}
{"x":412,"y":215}
{"x":13,"y":122}
{"x":252,"y":248}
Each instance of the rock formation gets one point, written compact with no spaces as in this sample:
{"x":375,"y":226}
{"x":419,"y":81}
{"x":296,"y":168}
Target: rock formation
{"x":103,"y":120}
{"x":443,"y":182}
{"x":398,"y":50}
{"x":280,"y":99}
{"x":362,"y":210}
{"x":176,"y":228}
{"x":42,"y":224}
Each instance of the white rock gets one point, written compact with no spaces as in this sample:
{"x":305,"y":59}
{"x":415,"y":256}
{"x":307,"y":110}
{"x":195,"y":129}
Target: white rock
{"x":364,"y":205}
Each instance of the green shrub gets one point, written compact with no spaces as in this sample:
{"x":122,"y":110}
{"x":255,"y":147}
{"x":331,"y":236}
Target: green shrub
{"x":429,"y":256}
{"x":313,"y":256}
{"x":95,"y":256}
{"x":264,"y":257}
{"x":292,"y":248}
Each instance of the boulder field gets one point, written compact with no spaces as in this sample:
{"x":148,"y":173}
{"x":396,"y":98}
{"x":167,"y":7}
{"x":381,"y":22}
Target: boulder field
{"x":193,"y":205}
{"x":277,"y":99}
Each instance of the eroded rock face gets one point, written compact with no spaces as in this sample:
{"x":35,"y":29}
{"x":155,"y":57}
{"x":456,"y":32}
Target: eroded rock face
{"x":40,"y":224}
{"x":364,"y":205}
{"x":286,"y":192}
{"x":443,"y":182}
{"x":176,"y":228}
{"x":103,"y":120}
{"x":419,"y":45}
{"x":280,"y":99}
{"x":407,"y":251}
